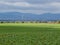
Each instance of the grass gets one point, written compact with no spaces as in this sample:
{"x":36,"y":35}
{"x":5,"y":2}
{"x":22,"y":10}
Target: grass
{"x":29,"y":34}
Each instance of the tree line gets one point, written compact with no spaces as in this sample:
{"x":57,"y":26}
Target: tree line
{"x":29,"y":21}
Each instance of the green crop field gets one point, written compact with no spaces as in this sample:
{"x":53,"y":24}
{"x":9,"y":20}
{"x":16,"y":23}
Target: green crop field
{"x":29,"y":34}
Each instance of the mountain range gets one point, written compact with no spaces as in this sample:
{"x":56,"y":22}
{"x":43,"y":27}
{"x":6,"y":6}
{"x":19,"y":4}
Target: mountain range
{"x":17,"y":16}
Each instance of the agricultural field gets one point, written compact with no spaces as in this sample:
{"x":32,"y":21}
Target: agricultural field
{"x":29,"y":34}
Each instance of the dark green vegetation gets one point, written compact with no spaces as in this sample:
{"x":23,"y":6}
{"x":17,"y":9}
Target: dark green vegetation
{"x":29,"y":34}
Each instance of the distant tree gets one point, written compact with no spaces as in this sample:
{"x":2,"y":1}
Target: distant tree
{"x":17,"y":22}
{"x":36,"y":21}
{"x":2,"y":22}
{"x":31,"y":21}
{"x":39,"y":21}
{"x":8,"y":22}
{"x":22,"y":21}
{"x":57,"y":21}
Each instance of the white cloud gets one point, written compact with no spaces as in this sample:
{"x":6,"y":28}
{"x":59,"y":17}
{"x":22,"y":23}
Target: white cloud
{"x":23,"y":4}
{"x":53,"y":7}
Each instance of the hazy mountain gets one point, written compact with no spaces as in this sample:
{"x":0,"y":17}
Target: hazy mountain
{"x":28,"y":16}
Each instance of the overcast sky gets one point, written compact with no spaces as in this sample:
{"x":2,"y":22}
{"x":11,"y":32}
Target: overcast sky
{"x":30,"y":6}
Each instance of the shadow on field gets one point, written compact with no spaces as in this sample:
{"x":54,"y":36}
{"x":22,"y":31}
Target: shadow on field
{"x":26,"y":29}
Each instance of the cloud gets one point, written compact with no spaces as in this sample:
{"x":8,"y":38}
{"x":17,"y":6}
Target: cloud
{"x":23,"y":4}
{"x":32,"y":1}
{"x":27,"y":6}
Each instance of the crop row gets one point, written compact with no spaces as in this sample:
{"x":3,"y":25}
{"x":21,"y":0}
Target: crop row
{"x":30,"y":38}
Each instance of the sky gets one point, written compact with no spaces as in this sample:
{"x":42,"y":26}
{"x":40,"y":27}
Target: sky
{"x":30,"y":6}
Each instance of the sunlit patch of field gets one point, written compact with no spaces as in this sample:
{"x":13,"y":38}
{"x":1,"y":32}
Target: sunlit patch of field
{"x":29,"y":34}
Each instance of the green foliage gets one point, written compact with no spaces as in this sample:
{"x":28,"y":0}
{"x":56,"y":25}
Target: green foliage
{"x":29,"y":34}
